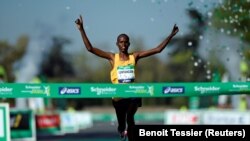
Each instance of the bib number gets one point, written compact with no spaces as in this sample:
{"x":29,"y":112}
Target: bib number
{"x":126,"y":74}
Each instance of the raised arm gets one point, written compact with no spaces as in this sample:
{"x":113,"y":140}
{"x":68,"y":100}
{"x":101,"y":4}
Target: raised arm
{"x":141,"y":54}
{"x":88,"y":45}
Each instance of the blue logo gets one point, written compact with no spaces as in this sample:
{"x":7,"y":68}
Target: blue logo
{"x":173,"y":90}
{"x":69,"y":90}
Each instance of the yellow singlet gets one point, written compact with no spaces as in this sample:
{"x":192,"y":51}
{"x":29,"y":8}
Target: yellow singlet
{"x":123,"y":71}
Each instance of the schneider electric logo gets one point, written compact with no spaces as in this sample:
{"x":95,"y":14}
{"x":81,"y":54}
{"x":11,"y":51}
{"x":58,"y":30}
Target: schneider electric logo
{"x":69,"y":90}
{"x":173,"y":90}
{"x":206,"y":89}
{"x":5,"y":90}
{"x":103,"y":90}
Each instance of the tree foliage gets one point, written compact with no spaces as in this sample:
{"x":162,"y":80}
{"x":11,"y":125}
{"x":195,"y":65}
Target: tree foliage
{"x":57,"y":66}
{"x":233,"y":16}
{"x":10,"y":54}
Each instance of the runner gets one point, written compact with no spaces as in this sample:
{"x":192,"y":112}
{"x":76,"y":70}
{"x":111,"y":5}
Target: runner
{"x":123,"y":66}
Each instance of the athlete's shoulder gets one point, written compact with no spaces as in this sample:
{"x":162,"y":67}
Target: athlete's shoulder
{"x":135,"y":54}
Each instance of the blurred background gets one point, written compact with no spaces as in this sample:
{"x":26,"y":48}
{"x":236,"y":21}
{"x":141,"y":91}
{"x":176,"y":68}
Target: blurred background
{"x":39,"y":43}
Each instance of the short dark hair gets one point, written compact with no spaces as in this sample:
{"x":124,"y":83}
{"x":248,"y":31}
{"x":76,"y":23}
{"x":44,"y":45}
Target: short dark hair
{"x":122,"y":35}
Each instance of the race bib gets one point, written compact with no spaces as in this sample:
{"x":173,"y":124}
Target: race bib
{"x":126,"y":74}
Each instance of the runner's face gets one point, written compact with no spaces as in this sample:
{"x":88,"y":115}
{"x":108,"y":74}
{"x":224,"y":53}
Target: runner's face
{"x":123,"y":44}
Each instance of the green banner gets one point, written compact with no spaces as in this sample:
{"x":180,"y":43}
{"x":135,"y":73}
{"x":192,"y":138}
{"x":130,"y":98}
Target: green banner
{"x":105,"y":90}
{"x":4,"y":122}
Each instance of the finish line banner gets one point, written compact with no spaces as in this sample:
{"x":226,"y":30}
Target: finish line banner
{"x":107,"y":90}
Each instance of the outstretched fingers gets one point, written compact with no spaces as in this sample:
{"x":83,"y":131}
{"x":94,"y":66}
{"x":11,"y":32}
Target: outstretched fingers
{"x":175,"y":29}
{"x":81,"y":18}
